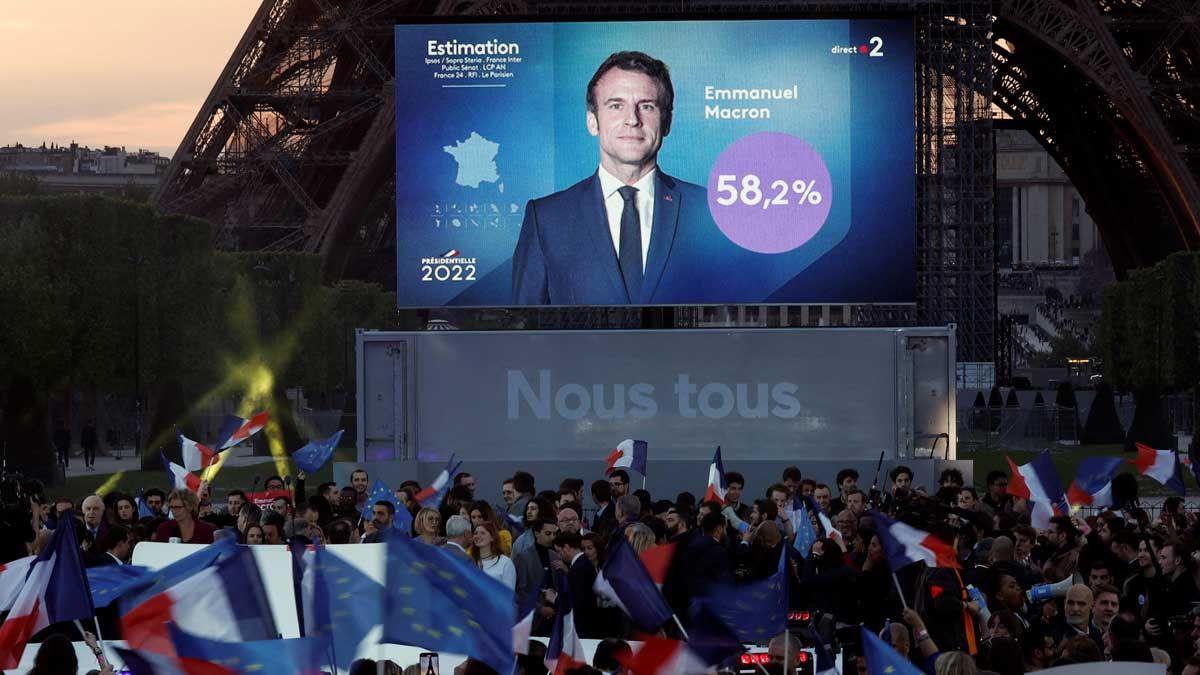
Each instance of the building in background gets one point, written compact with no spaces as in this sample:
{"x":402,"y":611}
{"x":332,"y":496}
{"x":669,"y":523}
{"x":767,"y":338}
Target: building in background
{"x":1051,"y":262}
{"x":75,"y":168}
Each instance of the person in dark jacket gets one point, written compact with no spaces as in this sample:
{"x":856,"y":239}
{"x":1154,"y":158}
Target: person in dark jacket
{"x":707,"y":559}
{"x":581,"y":575}
{"x":89,"y":440}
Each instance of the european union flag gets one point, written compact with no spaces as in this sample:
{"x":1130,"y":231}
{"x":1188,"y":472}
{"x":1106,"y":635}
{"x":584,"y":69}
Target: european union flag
{"x":882,"y":659}
{"x":293,"y":655}
{"x":802,"y":524}
{"x":109,"y":582}
{"x":441,"y":602}
{"x":340,"y":603}
{"x":756,"y":611}
{"x":709,"y":638}
{"x":316,"y":454}
{"x":380,"y":492}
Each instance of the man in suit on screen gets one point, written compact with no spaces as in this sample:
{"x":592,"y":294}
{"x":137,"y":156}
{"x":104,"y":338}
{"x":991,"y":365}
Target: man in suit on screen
{"x":610,"y":238}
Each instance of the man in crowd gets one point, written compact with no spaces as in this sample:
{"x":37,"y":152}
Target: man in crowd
{"x":791,"y":480}
{"x":359,"y":481}
{"x":569,"y":519}
{"x":466,"y":480}
{"x":847,"y":480}
{"x":535,"y":565}
{"x":619,"y":482}
{"x":581,"y":576}
{"x":997,"y":497}
{"x":383,"y":514}
{"x":93,"y":517}
{"x":733,"y":493}
{"x":458,"y":537}
{"x":605,"y":518}
{"x":822,"y":496}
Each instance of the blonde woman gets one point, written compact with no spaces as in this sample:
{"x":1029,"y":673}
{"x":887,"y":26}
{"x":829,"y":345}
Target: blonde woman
{"x":640,"y":536}
{"x":427,"y":526}
{"x":184,"y":505}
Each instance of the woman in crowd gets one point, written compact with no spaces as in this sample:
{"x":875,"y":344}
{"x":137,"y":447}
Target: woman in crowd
{"x":486,"y":554}
{"x":123,"y":512}
{"x":640,"y":537}
{"x":253,"y":534}
{"x":480,"y":512}
{"x":184,"y":506}
{"x":250,"y":514}
{"x":593,"y":549}
{"x":427,"y":526}
{"x":875,"y":587}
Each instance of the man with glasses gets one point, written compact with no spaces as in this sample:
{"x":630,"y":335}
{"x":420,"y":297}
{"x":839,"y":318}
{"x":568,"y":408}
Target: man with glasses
{"x":619,"y":482}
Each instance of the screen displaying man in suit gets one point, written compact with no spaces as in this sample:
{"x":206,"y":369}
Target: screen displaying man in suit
{"x":610,"y":238}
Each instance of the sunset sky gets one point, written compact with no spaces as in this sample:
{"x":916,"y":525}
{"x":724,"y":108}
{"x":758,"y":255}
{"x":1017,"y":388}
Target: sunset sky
{"x":117,"y":72}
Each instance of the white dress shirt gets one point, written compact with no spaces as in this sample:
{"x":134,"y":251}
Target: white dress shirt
{"x":614,"y":205}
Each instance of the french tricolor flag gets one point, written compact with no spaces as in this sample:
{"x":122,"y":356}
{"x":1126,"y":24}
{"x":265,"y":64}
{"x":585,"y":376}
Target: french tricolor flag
{"x":235,"y":429}
{"x":431,"y":494}
{"x":1038,"y":483}
{"x":196,"y":456}
{"x":716,"y":480}
{"x":12,"y":580}
{"x":657,"y":560}
{"x":905,"y":544}
{"x":1093,"y":482}
{"x":664,"y":656}
{"x":523,"y":628}
{"x":710,"y":642}
{"x":216,"y":592}
{"x":629,"y":454}
{"x":565,"y":649}
{"x":181,"y":478}
{"x":1161,"y":465}
{"x":149,"y":663}
{"x":55,"y":590}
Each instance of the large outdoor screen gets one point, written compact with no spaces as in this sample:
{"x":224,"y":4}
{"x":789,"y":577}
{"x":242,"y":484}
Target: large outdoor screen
{"x":655,"y":163}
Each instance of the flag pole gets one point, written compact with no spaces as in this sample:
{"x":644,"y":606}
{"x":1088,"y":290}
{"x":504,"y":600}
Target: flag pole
{"x":900,"y":592}
{"x":685,"y":638}
{"x":643,"y":481}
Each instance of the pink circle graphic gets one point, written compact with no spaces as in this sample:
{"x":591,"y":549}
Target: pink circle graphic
{"x":769,"y":192}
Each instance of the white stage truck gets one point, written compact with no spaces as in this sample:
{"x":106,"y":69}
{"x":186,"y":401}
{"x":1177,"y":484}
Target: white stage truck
{"x":556,"y":403}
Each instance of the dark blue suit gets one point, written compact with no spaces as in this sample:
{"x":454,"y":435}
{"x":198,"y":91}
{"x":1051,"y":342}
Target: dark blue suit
{"x":565,"y":253}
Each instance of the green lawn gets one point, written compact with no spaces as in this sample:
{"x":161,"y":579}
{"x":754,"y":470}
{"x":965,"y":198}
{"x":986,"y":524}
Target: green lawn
{"x":229,"y":478}
{"x":1066,"y":460}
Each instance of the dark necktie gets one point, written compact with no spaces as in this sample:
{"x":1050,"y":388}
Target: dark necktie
{"x":630,"y":253}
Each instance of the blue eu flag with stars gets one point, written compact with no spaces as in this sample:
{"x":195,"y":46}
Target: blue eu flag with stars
{"x":380,"y":492}
{"x":340,"y":603}
{"x":313,"y":456}
{"x":304,"y":656}
{"x":441,"y":602}
{"x":756,"y":611}
{"x":802,"y":524}
{"x":882,"y":659}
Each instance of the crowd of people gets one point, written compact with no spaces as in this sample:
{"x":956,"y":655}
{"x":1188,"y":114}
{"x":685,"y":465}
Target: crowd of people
{"x":1115,"y":585}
